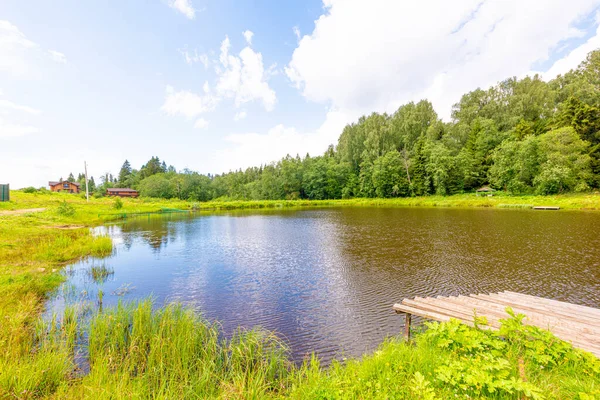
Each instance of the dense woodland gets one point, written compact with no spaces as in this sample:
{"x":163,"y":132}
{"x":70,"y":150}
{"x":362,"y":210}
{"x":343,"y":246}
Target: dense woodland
{"x":520,"y":136}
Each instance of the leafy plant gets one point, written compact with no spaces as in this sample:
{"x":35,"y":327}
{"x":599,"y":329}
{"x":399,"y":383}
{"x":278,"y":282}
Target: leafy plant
{"x":118,"y":204}
{"x":65,"y":209}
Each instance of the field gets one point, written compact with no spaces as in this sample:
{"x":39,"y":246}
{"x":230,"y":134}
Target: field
{"x":135,"y":352}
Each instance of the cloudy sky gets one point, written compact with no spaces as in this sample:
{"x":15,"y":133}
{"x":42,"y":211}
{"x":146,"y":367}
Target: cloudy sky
{"x":215,"y":85}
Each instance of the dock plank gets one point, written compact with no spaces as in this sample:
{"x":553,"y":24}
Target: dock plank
{"x":577,"y":324}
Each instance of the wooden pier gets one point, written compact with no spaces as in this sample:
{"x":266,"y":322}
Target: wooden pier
{"x":579,"y":325}
{"x":553,"y":208}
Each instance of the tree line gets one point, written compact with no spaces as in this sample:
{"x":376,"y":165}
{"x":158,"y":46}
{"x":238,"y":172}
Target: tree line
{"x":521,"y":136}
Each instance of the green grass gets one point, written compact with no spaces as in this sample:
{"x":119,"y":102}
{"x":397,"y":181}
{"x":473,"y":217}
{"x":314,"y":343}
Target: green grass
{"x":103,"y":209}
{"x":100,"y":273}
{"x":172,"y":352}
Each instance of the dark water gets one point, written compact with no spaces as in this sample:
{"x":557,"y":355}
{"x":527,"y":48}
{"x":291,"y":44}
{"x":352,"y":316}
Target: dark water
{"x":325,"y":279}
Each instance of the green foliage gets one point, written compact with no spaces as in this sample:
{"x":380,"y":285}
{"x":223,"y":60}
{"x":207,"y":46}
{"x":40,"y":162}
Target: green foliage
{"x":118,"y":204}
{"x":390,"y":177}
{"x":564,"y":162}
{"x":29,"y":189}
{"x":65,"y":209}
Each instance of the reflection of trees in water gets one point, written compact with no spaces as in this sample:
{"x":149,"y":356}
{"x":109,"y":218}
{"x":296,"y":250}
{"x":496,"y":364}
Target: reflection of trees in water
{"x":155,"y":230}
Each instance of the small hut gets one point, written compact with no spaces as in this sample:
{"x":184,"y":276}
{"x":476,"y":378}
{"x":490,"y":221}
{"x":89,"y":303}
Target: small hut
{"x":485,"y":191}
{"x":4,"y":192}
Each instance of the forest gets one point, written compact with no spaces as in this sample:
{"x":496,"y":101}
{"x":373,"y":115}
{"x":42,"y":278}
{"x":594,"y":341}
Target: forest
{"x":521,"y":136}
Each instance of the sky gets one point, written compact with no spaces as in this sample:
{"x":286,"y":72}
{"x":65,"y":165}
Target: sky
{"x":218,"y":85}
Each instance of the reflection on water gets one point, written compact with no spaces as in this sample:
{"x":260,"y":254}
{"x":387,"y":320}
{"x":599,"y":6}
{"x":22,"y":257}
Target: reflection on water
{"x":325,"y":279}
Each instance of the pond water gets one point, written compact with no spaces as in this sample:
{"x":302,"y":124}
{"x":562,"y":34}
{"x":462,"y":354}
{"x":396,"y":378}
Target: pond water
{"x":325,"y":279}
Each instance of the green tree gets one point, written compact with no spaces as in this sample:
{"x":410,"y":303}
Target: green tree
{"x":516,"y":164}
{"x":157,"y":185}
{"x":153,"y":166}
{"x":564,"y":162}
{"x":125,"y":174}
{"x":389,"y":176}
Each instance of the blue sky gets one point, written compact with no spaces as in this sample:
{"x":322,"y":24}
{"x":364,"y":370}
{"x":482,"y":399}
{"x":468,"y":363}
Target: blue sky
{"x":219,"y":85}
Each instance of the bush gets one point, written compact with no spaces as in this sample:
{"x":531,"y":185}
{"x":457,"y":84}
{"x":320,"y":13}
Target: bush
{"x":29,"y":189}
{"x":118,"y":204}
{"x":65,"y":209}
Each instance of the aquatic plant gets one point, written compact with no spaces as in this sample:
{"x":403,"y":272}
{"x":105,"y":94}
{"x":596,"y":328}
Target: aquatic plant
{"x":100,"y":273}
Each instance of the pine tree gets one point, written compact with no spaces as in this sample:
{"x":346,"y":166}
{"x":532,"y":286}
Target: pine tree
{"x":124,"y":173}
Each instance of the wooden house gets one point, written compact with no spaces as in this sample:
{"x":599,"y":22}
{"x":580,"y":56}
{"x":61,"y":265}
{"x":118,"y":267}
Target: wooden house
{"x":64,"y":186}
{"x":122,"y":192}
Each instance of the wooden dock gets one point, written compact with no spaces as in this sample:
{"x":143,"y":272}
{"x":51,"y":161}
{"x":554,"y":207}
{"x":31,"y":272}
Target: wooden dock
{"x":579,"y":325}
{"x":554,"y":208}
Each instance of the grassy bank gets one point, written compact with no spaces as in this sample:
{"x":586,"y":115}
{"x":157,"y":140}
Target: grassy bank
{"x":174,"y":353}
{"x":99,"y":210}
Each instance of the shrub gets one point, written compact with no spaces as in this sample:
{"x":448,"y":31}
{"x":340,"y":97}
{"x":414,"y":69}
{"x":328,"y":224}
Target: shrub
{"x":65,"y":209}
{"x":29,"y":189}
{"x":118,"y":204}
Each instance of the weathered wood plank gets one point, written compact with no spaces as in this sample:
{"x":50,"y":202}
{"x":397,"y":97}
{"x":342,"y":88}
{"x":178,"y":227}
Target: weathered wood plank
{"x":538,"y":319}
{"x":534,"y":307}
{"x":568,"y":331}
{"x":440,"y":309}
{"x":579,"y":325}
{"x":421,"y":313}
{"x":594,"y":312}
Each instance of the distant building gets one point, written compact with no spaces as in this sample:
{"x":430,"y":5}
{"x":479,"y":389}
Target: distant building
{"x":122,"y":192}
{"x":4,"y":192}
{"x":486,"y":190}
{"x":64,"y":186}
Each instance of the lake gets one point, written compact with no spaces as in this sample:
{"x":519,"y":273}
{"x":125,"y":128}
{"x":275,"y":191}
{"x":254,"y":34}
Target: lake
{"x":325,"y":279}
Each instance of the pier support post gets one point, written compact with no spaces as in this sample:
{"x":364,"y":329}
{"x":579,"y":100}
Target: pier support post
{"x":407,"y":318}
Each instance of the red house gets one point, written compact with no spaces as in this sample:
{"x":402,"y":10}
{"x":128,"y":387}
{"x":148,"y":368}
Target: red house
{"x":122,"y":192}
{"x":64,"y":186}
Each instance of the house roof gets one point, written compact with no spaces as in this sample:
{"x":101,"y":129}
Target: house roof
{"x":486,"y":189}
{"x":121,"y":190}
{"x":53,"y":183}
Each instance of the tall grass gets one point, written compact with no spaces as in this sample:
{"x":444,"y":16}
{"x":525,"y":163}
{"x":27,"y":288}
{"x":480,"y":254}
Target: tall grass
{"x":174,"y":353}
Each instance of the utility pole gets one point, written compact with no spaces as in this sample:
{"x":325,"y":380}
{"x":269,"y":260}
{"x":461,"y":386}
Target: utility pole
{"x":87,"y":191}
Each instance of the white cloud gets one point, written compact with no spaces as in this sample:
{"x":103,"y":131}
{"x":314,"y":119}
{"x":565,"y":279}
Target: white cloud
{"x":15,"y":49}
{"x":296,"y":32}
{"x":9,"y":130}
{"x":58,"y":57}
{"x":574,"y":58}
{"x":243,"y":77}
{"x":240,"y":115}
{"x":6,"y":104}
{"x":183,"y":6}
{"x":20,"y":56}
{"x":248,"y":36}
{"x":252,"y":149}
{"x":201,"y":123}
{"x":408,"y":50}
{"x":186,"y":103}
{"x":194,"y":57}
